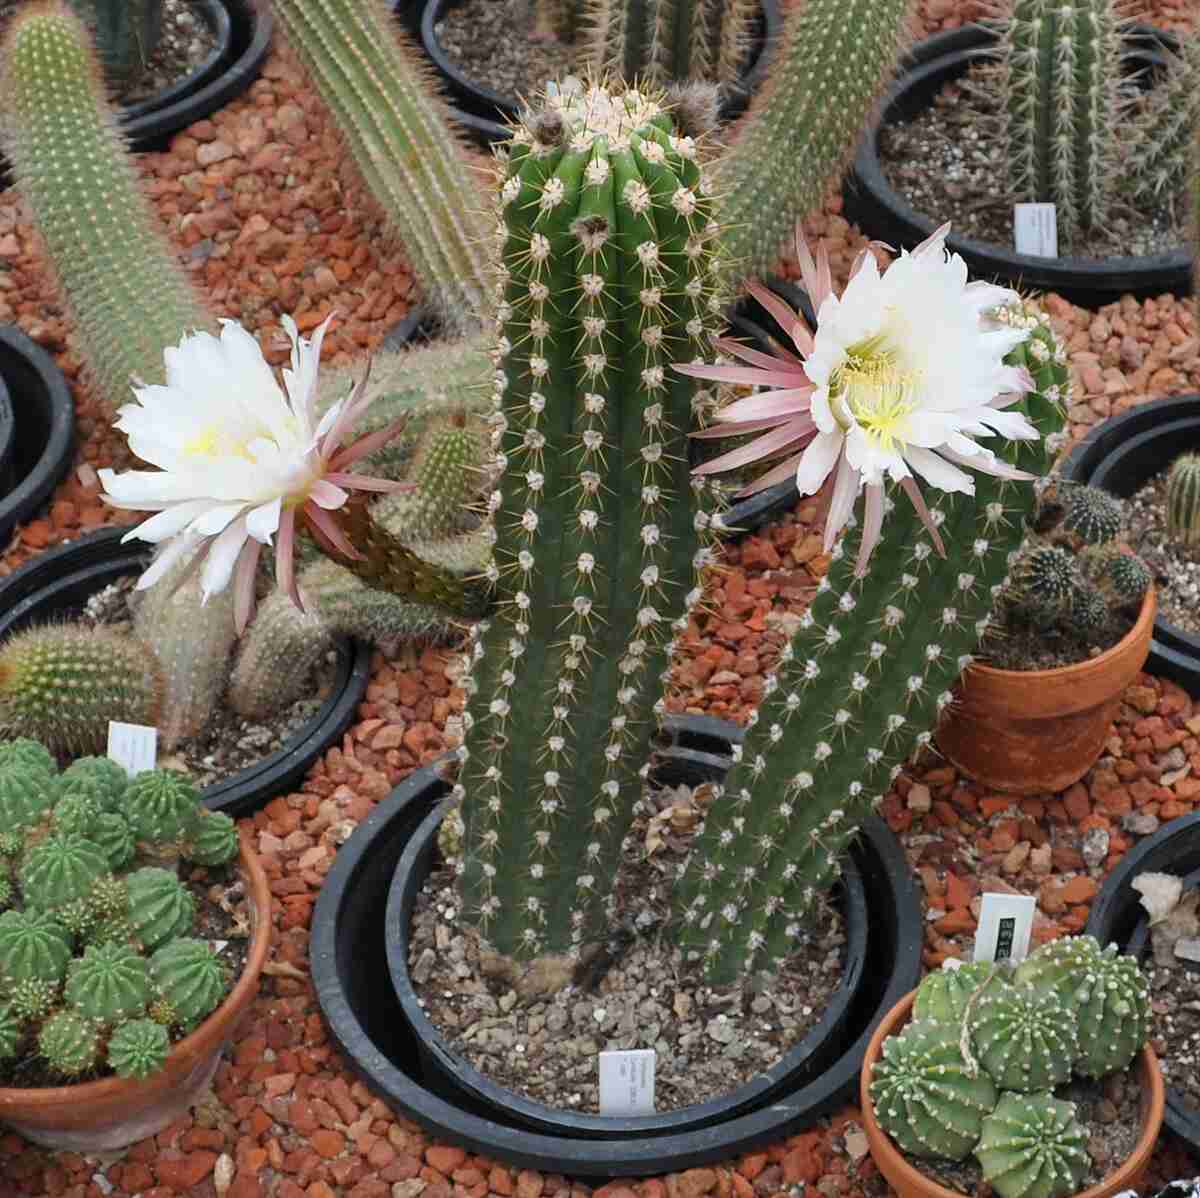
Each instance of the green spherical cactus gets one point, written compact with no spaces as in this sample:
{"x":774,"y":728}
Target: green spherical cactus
{"x":138,"y":1048}
{"x":69,"y":1043}
{"x":159,"y":906}
{"x":22,"y":750}
{"x":32,"y":999}
{"x":62,"y":684}
{"x":103,"y":778}
{"x":78,"y":917}
{"x":1032,"y":1147}
{"x":1124,"y":579}
{"x":11,"y":1029}
{"x":1088,"y":612}
{"x":1090,"y":516}
{"x":1025,"y":1040}
{"x":27,"y":792}
{"x":60,"y":869}
{"x":187,"y":975}
{"x":1183,"y":500}
{"x":1045,"y":580}
{"x":109,"y":983}
{"x":33,"y":946}
{"x":926,"y":1097}
{"x":161,"y":805}
{"x":76,"y":814}
{"x":117,"y":930}
{"x":110,"y":897}
{"x":115,"y":838}
{"x":943,"y":994}
{"x":213,"y":839}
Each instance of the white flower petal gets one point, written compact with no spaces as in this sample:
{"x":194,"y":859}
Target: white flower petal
{"x":222,"y":557}
{"x":169,"y":521}
{"x":216,"y":519}
{"x":171,"y":552}
{"x":938,"y":472}
{"x":817,"y":461}
{"x":262,"y":522}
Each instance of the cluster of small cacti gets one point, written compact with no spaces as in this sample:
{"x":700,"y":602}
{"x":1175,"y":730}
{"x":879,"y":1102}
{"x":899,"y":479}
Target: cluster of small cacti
{"x":976,"y":1069}
{"x":1072,"y":579}
{"x":97,"y":955}
{"x":1183,"y":500}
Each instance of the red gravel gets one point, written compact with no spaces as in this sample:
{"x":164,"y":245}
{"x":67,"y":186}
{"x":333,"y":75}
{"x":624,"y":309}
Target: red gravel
{"x":269,"y":221}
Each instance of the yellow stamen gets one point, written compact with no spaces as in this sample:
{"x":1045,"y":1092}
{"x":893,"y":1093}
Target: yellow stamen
{"x":870,"y":388}
{"x":209,"y":443}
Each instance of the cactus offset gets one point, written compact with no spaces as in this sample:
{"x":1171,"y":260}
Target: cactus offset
{"x":159,"y":907}
{"x":161,"y":805}
{"x":595,"y":534}
{"x":60,"y":869}
{"x":137,"y":1048}
{"x":212,"y":839}
{"x":62,"y":685}
{"x":69,"y":1043}
{"x":32,"y":999}
{"x":78,"y":813}
{"x":1159,"y":152}
{"x":943,"y":993}
{"x":397,"y":131}
{"x":11,"y":1026}
{"x":26,"y":794}
{"x":25,"y":751}
{"x":1025,"y":1040}
{"x":33,"y":947}
{"x":100,"y":778}
{"x":189,"y":978}
{"x":1032,"y":1147}
{"x":126,"y":33}
{"x":129,"y":296}
{"x":109,"y":983}
{"x":115,"y":839}
{"x":1183,"y":500}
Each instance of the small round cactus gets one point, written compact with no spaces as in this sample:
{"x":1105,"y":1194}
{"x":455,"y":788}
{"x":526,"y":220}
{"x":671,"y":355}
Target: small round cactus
{"x":22,"y":750}
{"x":1183,"y":500}
{"x":31,"y":999}
{"x":10,"y":1031}
{"x":925,"y":1096}
{"x":117,"y":930}
{"x":76,"y":813}
{"x":27,"y":792}
{"x":138,"y":1048}
{"x":59,"y":869}
{"x":78,"y":917}
{"x":110,"y":897}
{"x":188,"y":975}
{"x":11,"y":843}
{"x":114,"y":837}
{"x":1045,"y":579}
{"x":1032,"y":1147}
{"x":109,"y":983}
{"x":1090,"y":516}
{"x":33,"y":946}
{"x":1088,"y":612}
{"x":103,"y":777}
{"x":1024,"y":1040}
{"x":944,"y":993}
{"x":161,"y":805}
{"x":213,"y":839}
{"x":159,"y":906}
{"x":69,"y":1043}
{"x":1124,"y":579}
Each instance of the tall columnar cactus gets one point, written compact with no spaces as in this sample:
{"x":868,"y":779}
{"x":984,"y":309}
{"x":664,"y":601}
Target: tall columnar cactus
{"x":834,"y":58}
{"x":1059,"y":73}
{"x":1033,"y":1147}
{"x":126,"y":33}
{"x":128,"y":295}
{"x":1160,"y":149}
{"x":1183,"y":500}
{"x":62,"y":685}
{"x":396,"y":127}
{"x":595,"y":535}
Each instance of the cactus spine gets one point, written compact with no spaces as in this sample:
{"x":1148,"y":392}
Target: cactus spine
{"x":834,"y":58}
{"x":126,"y":33}
{"x":128,"y":295}
{"x":397,"y":130}
{"x":1183,"y":500}
{"x":595,"y":536}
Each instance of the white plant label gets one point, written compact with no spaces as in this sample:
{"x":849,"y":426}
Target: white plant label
{"x":1035,"y":230}
{"x":1005,"y":926}
{"x":627,"y":1082}
{"x":134,"y":747}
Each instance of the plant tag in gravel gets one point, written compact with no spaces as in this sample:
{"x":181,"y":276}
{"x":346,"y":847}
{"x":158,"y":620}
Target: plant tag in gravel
{"x":134,"y":747}
{"x":627,"y":1082}
{"x":1035,"y":229}
{"x":1005,"y":925}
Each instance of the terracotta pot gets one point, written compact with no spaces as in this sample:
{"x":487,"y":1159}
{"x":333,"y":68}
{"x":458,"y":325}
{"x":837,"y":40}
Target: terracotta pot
{"x":103,"y":1115}
{"x":909,"y":1182}
{"x":1038,"y":731}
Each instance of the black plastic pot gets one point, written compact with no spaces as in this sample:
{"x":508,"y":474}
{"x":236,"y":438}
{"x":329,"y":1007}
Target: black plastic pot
{"x":1118,"y":917}
{"x":8,"y":432}
{"x":57,"y":584}
{"x":451,"y":1072}
{"x":871,"y":202}
{"x":1120,"y":455}
{"x":348,"y":966}
{"x":484,"y":112}
{"x":43,"y":429}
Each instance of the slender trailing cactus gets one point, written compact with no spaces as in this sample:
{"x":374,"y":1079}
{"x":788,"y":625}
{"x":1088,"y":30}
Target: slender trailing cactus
{"x":386,"y":105}
{"x":595,"y":535}
{"x":834,"y":58}
{"x":129,"y":297}
{"x":126,"y":33}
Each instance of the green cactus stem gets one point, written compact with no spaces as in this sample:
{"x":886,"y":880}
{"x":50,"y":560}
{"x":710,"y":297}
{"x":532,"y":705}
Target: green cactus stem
{"x":24,"y":751}
{"x":107,"y":779}
{"x":1183,"y":500}
{"x":943,"y":994}
{"x":11,"y":1028}
{"x":396,"y":128}
{"x":160,"y":908}
{"x":161,"y":805}
{"x":33,"y":947}
{"x":1026,"y":1041}
{"x":138,"y":1048}
{"x":115,"y":839}
{"x":126,"y":33}
{"x":1032,"y":1147}
{"x":595,"y":533}
{"x":212,"y":839}
{"x":26,"y":794}
{"x":77,"y":813}
{"x":833,"y":60}
{"x":189,"y":977}
{"x":62,"y":685}
{"x":128,"y":295}
{"x":1159,"y":154}
{"x":31,"y":999}
{"x":60,"y":869}
{"x":109,"y":983}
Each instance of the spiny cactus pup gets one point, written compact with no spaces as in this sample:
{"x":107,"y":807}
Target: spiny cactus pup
{"x":1025,"y":1041}
{"x":161,"y":805}
{"x":33,"y":947}
{"x":60,"y":869}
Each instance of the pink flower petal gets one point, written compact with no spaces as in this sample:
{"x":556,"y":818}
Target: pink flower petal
{"x":756,"y":450}
{"x":744,"y":374}
{"x":777,"y":474}
{"x":818,"y":286}
{"x":845,"y":492}
{"x":243,"y":584}
{"x":754,"y":356}
{"x":734,"y":428}
{"x":322,"y":520}
{"x":285,"y":556}
{"x":365,"y":446}
{"x":872,"y":523}
{"x":348,"y":417}
{"x":324,"y":494}
{"x":367,"y":482}
{"x":791,"y":322}
{"x":918,"y":501}
{"x":793,"y":401}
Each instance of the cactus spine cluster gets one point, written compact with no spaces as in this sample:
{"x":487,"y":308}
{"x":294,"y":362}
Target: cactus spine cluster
{"x":834,"y":58}
{"x":1069,"y":1008}
{"x":1159,"y":155}
{"x":128,"y":295}
{"x":126,"y":33}
{"x":595,"y":536}
{"x":1183,"y":500}
{"x":396,"y":128}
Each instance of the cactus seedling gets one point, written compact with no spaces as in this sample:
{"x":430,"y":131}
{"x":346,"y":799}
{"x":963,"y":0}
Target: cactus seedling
{"x":1032,"y":1147}
{"x":70,"y":1043}
{"x":188,"y":977}
{"x":31,"y":999}
{"x":1183,"y":499}
{"x":159,"y":906}
{"x":138,"y":1048}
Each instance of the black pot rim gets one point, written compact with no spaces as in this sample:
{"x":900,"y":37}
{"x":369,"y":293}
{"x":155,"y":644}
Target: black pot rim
{"x":343,"y":907}
{"x":479,"y":99}
{"x":875,"y":205}
{"x":1105,"y":922}
{"x":1098,"y":457}
{"x":37,"y":388}
{"x":8,"y":430}
{"x":805,"y":1056}
{"x":216,"y":16}
{"x":100,"y":555}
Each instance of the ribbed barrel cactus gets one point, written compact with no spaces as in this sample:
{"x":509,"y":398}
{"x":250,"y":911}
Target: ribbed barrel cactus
{"x":943,"y":995}
{"x":160,"y":908}
{"x":1024,"y":1040}
{"x":1033,"y":1147}
{"x":1183,"y":499}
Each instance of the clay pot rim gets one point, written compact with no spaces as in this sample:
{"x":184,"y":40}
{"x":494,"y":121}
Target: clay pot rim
{"x":916,"y":1182}
{"x":1142,"y":628}
{"x":206,"y":1037}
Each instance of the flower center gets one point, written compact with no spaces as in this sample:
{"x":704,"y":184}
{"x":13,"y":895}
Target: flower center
{"x":211,"y":442}
{"x":872,"y":390}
